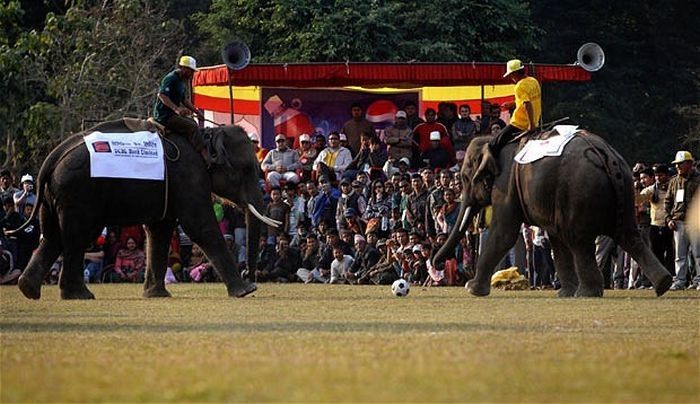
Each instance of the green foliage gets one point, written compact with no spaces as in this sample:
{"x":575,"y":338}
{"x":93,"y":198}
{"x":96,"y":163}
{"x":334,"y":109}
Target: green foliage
{"x":368,"y":30}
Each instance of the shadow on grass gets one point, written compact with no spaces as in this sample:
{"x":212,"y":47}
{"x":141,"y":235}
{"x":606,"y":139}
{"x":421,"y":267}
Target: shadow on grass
{"x":286,"y":327}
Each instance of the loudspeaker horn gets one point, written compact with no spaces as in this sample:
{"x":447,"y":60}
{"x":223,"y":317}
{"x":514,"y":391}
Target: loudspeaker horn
{"x":590,"y":57}
{"x":236,"y":55}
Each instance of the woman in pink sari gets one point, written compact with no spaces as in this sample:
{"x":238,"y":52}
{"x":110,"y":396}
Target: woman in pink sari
{"x":131,"y":262}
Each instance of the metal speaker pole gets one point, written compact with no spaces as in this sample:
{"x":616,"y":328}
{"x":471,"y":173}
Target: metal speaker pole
{"x":236,"y":56}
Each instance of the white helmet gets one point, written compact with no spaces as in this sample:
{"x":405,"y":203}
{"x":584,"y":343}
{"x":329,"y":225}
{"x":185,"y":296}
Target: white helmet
{"x":188,"y":61}
{"x":27,"y":177}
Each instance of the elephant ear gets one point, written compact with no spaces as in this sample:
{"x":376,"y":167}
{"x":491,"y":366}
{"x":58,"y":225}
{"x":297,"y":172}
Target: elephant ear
{"x":488,"y":168}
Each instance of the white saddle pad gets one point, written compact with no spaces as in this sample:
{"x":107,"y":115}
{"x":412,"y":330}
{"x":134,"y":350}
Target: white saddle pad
{"x":554,"y":146}
{"x":135,"y":155}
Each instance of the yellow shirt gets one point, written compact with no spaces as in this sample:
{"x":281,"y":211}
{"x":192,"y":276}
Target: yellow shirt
{"x":527,"y":89}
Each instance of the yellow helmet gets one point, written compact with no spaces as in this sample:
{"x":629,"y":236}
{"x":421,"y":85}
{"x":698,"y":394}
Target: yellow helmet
{"x":188,"y":61}
{"x":512,"y":66}
{"x":682,"y":156}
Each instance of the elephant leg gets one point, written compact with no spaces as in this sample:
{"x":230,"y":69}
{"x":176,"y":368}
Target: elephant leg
{"x":501,"y":238}
{"x":565,"y":268}
{"x":46,"y":254}
{"x":590,"y":277}
{"x":76,"y":234}
{"x":633,"y":243}
{"x":209,"y":238}
{"x":158,"y":236}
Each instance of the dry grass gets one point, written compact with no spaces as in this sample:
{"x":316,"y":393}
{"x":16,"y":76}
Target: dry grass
{"x":343,"y":343}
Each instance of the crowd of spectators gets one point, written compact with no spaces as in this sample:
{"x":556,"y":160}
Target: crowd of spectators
{"x":362,"y":206}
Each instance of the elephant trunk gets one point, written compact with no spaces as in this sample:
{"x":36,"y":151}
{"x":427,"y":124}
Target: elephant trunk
{"x":466,"y":214}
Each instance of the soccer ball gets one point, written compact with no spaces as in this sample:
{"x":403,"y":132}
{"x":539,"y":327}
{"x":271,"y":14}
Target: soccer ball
{"x":400,"y":288}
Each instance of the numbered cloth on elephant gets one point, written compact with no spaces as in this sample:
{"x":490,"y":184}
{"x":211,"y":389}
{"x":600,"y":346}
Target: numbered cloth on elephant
{"x":536,"y":149}
{"x":134,"y":155}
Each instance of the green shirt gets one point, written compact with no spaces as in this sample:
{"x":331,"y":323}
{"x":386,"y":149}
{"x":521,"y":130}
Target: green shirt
{"x":174,"y":87}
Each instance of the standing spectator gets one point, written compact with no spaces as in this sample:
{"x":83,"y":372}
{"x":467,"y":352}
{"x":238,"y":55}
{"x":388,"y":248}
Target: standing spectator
{"x":370,"y":158}
{"x":355,"y":127}
{"x":27,"y":238}
{"x":311,"y":194}
{"x":447,"y":115}
{"x":349,"y":199}
{"x":325,"y":203}
{"x":307,"y":156}
{"x":496,"y":120}
{"x":297,"y":208}
{"x":281,"y":163}
{"x":421,"y":133}
{"x":681,"y":190}
{"x":11,"y":221}
{"x":130,"y":265}
{"x":464,"y":129}
{"x":417,"y":202}
{"x":6,"y":188}
{"x":334,"y":159}
{"x":378,"y":210}
{"x":485,"y":122}
{"x":660,"y":236}
{"x":278,"y":210}
{"x":447,"y":212}
{"x":399,"y":138}
{"x":412,"y":118}
{"x":435,"y":201}
{"x":436,"y":156}
{"x":26,"y":194}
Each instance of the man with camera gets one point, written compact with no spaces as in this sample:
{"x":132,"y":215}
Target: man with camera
{"x":26,"y":194}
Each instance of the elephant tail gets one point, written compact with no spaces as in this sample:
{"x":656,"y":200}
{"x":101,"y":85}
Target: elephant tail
{"x":47,"y":167}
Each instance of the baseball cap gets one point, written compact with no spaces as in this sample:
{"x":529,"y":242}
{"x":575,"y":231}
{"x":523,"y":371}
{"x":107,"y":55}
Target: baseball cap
{"x":344,"y":181}
{"x":358,"y":238}
{"x":400,"y":114}
{"x":304,"y":138}
{"x":512,"y":66}
{"x":27,"y":177}
{"x":280,"y":137}
{"x":681,"y":156}
{"x":253,"y":137}
{"x":417,"y":248}
{"x":343,"y":137}
{"x":434,"y":135}
{"x":405,"y":160}
{"x":188,"y":61}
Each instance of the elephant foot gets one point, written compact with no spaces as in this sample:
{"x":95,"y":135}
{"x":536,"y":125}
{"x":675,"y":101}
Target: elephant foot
{"x":29,"y":288}
{"x":79,"y":294}
{"x":589,"y":292}
{"x":156,"y":292}
{"x":566,"y":292}
{"x":476,"y":289}
{"x":663,"y":285}
{"x":242,"y":289}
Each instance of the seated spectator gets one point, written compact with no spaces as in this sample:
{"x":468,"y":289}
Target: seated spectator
{"x":94,"y":256}
{"x":281,"y":163}
{"x":436,"y":156}
{"x":399,"y":138}
{"x":354,"y":223}
{"x":366,"y":257}
{"x":260,"y":152}
{"x":348,"y":199}
{"x":400,"y":168}
{"x":307,"y":156}
{"x":332,"y":241}
{"x":297,"y":208}
{"x":319,"y":143}
{"x":282,"y":266}
{"x":299,"y":239}
{"x":334,"y":159}
{"x":8,"y":273}
{"x":111,"y":247}
{"x":340,"y":267}
{"x":199,"y":270}
{"x":131,"y":263}
{"x":26,"y":194}
{"x":136,"y":232}
{"x":448,"y":212}
{"x":311,"y":254}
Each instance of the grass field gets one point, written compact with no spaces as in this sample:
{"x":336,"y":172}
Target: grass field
{"x":344,"y":343}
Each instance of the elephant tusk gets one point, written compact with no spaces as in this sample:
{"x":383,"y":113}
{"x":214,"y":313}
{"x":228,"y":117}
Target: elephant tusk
{"x":268,"y":221}
{"x":463,"y":224}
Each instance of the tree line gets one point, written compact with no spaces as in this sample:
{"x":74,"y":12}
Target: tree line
{"x":65,"y":66}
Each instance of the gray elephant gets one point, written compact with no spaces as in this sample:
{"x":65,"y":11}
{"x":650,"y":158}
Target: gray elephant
{"x":73,"y":207}
{"x":586,"y":192}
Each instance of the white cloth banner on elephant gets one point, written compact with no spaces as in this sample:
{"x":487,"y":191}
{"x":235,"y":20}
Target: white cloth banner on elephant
{"x":554,"y":146}
{"x":134,"y":155}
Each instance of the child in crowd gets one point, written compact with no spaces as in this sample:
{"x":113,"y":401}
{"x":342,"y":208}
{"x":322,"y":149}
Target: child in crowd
{"x":200,"y":268}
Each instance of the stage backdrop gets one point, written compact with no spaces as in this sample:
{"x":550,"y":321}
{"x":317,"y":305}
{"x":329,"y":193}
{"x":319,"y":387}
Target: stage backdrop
{"x":310,"y":111}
